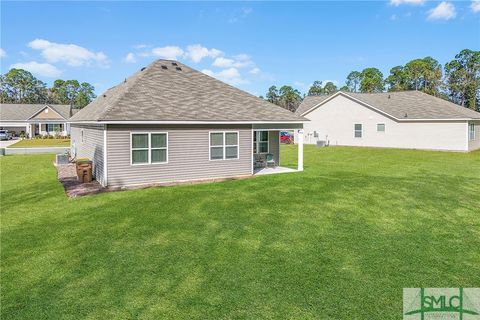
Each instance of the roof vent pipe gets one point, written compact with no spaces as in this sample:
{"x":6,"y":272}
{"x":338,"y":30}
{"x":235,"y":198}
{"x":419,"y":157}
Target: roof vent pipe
{"x":406,"y":115}
{"x":389,"y":97}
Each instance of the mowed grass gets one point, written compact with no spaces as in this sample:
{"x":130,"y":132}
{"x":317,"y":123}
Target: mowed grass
{"x":39,"y":143}
{"x":337,"y":241}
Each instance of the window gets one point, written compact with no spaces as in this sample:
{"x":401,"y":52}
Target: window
{"x":380,"y":127}
{"x":260,"y":142}
{"x":149,"y":148}
{"x":358,"y":130}
{"x":53,"y":127}
{"x":223,"y":145}
{"x":471,"y":131}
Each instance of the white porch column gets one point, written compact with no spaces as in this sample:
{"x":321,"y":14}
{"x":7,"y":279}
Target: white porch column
{"x":300,"y":149}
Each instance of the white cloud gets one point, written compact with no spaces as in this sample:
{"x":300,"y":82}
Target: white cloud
{"x":242,"y":57}
{"x":335,"y":82}
{"x":197,"y":53}
{"x":240,"y":61}
{"x":247,"y":11}
{"x":300,"y":85}
{"x":412,"y":2}
{"x":240,"y":15}
{"x":130,"y":58}
{"x":208,"y":72}
{"x":71,"y":54}
{"x":254,"y":71}
{"x":3,"y":54}
{"x":168,"y":52}
{"x":141,"y":46}
{"x":222,"y":62}
{"x":41,"y":69}
{"x":230,"y":75}
{"x":444,"y":11}
{"x":475,"y":6}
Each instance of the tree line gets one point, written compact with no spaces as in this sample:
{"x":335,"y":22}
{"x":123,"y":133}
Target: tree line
{"x":458,"y":81}
{"x":20,"y":86}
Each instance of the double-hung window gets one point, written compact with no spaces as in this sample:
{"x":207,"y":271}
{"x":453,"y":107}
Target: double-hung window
{"x":223,"y":145}
{"x":358,"y":131}
{"x":471,"y":131}
{"x":149,"y":147}
{"x":380,"y":127}
{"x":260,"y":142}
{"x":53,"y":127}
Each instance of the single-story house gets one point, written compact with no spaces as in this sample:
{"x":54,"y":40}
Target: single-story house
{"x":169,"y":123}
{"x":36,"y":119}
{"x":407,"y":119}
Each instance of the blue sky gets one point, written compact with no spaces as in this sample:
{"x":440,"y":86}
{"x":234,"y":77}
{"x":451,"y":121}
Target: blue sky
{"x":251,"y":45}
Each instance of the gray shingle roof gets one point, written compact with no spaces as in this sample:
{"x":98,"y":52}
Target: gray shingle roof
{"x":22,"y":112}
{"x":415,"y":104}
{"x":310,"y":101}
{"x":161,"y":92}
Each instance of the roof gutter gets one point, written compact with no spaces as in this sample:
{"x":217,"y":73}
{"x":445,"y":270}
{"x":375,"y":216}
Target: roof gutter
{"x":184,"y":122}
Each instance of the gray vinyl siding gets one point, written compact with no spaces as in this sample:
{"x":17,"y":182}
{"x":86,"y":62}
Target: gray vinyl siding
{"x":188,"y":155}
{"x":274,"y":145}
{"x":91,"y":147}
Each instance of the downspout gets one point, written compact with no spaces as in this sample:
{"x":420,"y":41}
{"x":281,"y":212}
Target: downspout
{"x":105,"y":164}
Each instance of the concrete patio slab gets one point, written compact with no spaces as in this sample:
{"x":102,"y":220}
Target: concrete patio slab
{"x":274,"y":170}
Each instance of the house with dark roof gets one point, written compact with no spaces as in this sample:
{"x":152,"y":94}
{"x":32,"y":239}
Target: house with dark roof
{"x":407,"y":119}
{"x":36,"y":119}
{"x":169,"y":123}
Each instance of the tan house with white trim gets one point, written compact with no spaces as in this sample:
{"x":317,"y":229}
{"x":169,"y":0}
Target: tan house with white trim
{"x":169,"y":123}
{"x":36,"y":119}
{"x":408,"y":119}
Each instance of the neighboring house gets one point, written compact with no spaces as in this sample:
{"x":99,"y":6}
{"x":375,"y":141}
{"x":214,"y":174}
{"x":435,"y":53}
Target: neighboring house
{"x":408,"y":119}
{"x":35,"y":119}
{"x":169,"y":123}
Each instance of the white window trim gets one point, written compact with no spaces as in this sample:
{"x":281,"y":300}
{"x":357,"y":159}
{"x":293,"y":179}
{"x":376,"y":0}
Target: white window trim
{"x":471,"y":125}
{"x":268,"y":141}
{"x":384,"y":128}
{"x":49,"y":126}
{"x":355,"y":131}
{"x":224,"y":146}
{"x":149,"y":148}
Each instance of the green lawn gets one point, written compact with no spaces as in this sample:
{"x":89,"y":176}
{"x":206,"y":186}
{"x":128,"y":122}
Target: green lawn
{"x":339,"y":240}
{"x":39,"y":143}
